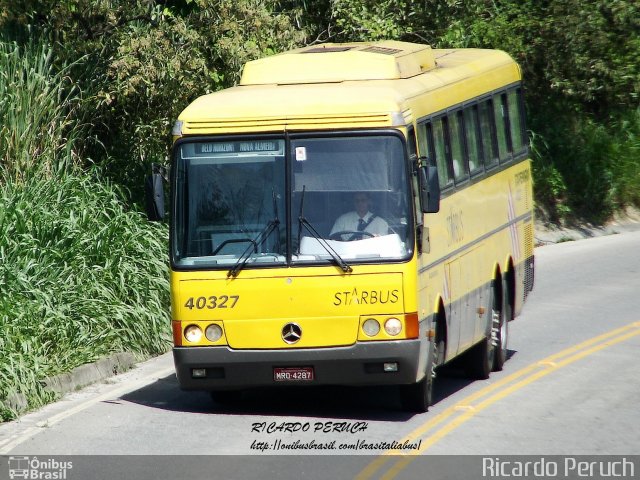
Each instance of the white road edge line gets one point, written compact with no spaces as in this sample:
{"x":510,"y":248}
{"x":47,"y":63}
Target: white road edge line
{"x":9,"y":444}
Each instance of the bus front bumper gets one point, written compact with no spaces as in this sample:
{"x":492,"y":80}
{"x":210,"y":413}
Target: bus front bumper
{"x":222,"y":368}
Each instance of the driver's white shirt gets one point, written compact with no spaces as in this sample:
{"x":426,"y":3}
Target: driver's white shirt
{"x":349,"y":223}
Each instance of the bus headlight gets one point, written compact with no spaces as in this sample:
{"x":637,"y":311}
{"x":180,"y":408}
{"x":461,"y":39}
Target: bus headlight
{"x":371,"y":327}
{"x":393,"y":326}
{"x":193,"y":333}
{"x":213,"y":332}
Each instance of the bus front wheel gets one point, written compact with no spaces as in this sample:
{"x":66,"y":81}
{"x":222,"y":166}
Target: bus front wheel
{"x":419,"y":396}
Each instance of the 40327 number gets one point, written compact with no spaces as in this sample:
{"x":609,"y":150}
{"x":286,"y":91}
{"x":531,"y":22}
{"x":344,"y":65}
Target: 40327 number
{"x":223,"y":301}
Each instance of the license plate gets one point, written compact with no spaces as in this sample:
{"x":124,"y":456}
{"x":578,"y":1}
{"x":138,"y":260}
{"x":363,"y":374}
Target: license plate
{"x":293,"y":374}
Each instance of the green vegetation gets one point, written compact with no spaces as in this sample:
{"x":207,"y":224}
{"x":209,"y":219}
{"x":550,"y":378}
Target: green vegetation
{"x":81,"y":278}
{"x":90,"y":88}
{"x":80,"y":275}
{"x":36,"y":111}
{"x":581,"y":64}
{"x":146,"y":60}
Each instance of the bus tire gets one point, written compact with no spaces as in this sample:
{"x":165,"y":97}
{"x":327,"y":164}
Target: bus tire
{"x":418,"y":397}
{"x":479,"y":360}
{"x":500,"y":327}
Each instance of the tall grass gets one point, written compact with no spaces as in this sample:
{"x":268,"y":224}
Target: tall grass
{"x":626,"y":160}
{"x":81,"y":275}
{"x":37,"y":107}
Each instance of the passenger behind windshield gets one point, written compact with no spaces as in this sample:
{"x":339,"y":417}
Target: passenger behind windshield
{"x":359,"y":223}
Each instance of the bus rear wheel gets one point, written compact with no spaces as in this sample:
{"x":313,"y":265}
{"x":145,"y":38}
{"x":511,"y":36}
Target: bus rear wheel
{"x":500,"y":328}
{"x":480,"y":359}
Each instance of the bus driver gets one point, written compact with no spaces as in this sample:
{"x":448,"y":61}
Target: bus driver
{"x":349,"y":225}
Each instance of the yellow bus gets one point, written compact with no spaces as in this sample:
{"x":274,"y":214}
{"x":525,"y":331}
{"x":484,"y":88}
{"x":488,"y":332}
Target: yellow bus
{"x":350,"y":214}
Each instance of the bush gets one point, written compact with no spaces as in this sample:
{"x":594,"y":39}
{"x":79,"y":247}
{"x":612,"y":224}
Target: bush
{"x":81,"y":277}
{"x":81,"y":274}
{"x":585,"y":168}
{"x":625,"y":157}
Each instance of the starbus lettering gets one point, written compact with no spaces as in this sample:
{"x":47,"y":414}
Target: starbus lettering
{"x":365,"y":297}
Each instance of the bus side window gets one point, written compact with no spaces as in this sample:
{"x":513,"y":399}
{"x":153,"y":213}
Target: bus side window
{"x":487,"y":134}
{"x":460,"y":168}
{"x":411,"y":145}
{"x":474,"y":148}
{"x":501,"y":118}
{"x":423,"y":144}
{"x":516,"y":115}
{"x":438,"y":142}
{"x":413,"y":167}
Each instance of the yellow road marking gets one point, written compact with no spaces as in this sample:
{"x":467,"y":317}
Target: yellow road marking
{"x":466,"y":408}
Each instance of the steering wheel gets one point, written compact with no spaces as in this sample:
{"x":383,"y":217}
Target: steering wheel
{"x":354,"y":235}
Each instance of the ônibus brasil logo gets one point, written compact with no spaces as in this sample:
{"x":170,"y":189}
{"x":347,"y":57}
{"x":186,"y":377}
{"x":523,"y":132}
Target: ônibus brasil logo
{"x":35,"y":469}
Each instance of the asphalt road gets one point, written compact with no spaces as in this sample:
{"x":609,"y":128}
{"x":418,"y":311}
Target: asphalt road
{"x":570,"y":387}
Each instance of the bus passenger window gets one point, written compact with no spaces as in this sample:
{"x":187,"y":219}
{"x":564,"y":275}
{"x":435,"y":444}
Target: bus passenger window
{"x":471,"y":132}
{"x":487,"y":133}
{"x":518,"y":135}
{"x":460,"y":170}
{"x":440,"y":151}
{"x":500,"y":111}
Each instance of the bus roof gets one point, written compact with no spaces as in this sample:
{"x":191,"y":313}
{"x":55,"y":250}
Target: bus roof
{"x":340,"y":62}
{"x":378,"y":84}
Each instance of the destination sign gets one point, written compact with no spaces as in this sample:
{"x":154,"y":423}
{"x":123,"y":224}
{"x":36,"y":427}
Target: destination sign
{"x":271,"y":147}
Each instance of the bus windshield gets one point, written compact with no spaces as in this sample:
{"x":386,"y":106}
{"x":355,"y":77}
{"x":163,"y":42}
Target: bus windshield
{"x":348,"y":196}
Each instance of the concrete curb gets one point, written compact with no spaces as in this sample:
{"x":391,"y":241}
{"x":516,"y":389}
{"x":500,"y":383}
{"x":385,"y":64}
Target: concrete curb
{"x":78,"y":378}
{"x":90,"y":373}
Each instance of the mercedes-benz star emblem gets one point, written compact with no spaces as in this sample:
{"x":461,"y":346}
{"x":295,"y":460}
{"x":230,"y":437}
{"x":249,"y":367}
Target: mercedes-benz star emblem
{"x":291,"y":333}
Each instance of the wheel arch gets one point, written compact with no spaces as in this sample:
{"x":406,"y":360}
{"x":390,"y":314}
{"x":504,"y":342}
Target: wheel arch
{"x":510,"y":283}
{"x":440,"y":322}
{"x":496,"y":281}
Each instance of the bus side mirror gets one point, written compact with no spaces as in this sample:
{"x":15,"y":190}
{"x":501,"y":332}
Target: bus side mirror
{"x":154,"y":193}
{"x":429,"y":189}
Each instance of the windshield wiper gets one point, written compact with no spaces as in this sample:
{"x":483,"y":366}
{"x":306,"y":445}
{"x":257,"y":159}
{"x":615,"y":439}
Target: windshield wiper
{"x":244,"y":258}
{"x":262,"y":236}
{"x":303,"y":221}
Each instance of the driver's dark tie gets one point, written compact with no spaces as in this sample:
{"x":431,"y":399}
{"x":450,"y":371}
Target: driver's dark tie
{"x":361,"y":224}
